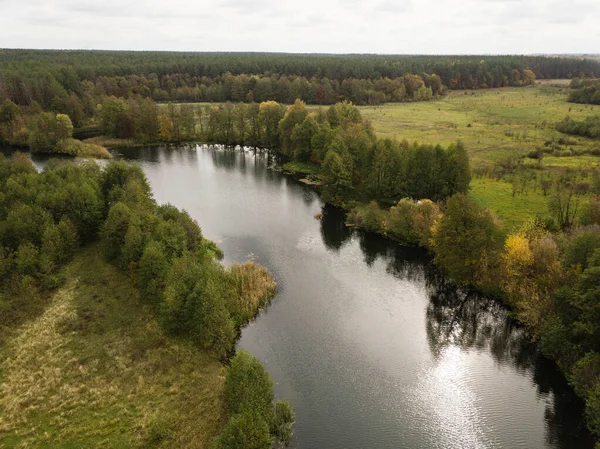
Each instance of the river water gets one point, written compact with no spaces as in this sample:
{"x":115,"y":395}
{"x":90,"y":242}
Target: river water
{"x":373,"y":347}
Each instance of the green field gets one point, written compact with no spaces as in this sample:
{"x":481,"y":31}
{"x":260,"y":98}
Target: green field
{"x":512,"y":210}
{"x":496,"y":125}
{"x":96,"y":370}
{"x":503,"y":122}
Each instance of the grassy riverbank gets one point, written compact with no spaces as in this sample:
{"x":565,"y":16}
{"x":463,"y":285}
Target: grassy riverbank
{"x":96,"y":369}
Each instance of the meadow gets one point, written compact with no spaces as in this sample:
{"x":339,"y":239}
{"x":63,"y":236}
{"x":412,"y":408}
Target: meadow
{"x":499,"y":127}
{"x":494,"y":124}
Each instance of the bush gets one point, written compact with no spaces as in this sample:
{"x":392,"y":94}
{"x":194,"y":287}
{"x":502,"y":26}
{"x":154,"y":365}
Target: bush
{"x":248,"y":387}
{"x":244,"y":431}
{"x":151,"y":272}
{"x":586,"y":374}
{"x":467,"y":241}
{"x":78,"y":148}
{"x":283,"y":422}
{"x":254,"y":421}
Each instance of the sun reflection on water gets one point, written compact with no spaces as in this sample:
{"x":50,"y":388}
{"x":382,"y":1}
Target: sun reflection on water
{"x":445,"y":388}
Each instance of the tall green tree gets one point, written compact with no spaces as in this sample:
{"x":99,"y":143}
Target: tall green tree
{"x":467,"y":241}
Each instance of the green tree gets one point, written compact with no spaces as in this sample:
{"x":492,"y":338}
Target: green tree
{"x":337,"y":177}
{"x":248,"y":387}
{"x":112,"y":112}
{"x":294,"y":116}
{"x":115,"y":228}
{"x":302,"y":138}
{"x":244,"y":431}
{"x":8,"y":112}
{"x":466,"y":240}
{"x":151,"y":272}
{"x":457,"y":170}
{"x":27,"y":259}
{"x":283,"y":422}
{"x":47,"y":129}
{"x":270,"y":114}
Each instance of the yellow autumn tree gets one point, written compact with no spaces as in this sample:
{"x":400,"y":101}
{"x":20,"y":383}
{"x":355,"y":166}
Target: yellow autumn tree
{"x":166,"y":128}
{"x":532,"y":271}
{"x":517,"y":256}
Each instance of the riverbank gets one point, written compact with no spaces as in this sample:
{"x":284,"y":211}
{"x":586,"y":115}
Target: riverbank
{"x":133,"y":318}
{"x":317,"y":339}
{"x":96,"y":368}
{"x":523,"y":270}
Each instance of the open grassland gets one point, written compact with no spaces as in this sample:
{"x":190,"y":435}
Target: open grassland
{"x":494,"y":124}
{"x":497,"y":125}
{"x":96,"y":370}
{"x":512,"y":210}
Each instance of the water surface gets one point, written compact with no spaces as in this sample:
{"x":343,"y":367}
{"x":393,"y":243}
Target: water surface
{"x":371,"y":345}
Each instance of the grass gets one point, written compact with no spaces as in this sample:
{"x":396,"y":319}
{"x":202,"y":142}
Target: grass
{"x":254,"y":286}
{"x":300,"y":168}
{"x":96,"y":370}
{"x":112,"y":142}
{"x":512,"y":210}
{"x":503,"y":122}
{"x":495,"y":125}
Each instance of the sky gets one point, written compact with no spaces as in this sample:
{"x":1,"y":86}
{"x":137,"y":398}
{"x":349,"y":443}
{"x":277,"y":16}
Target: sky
{"x":306,"y":26}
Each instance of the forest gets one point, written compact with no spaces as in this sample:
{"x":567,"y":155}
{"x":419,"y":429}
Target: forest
{"x":45,"y":220}
{"x":62,"y":81}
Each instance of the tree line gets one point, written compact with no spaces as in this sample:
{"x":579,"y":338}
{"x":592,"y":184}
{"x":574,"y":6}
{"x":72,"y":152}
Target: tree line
{"x":585,"y":90}
{"x":58,"y":80}
{"x":547,"y":271}
{"x":45,"y":217}
{"x":355,"y":164}
{"x":456,"y":71}
{"x":588,"y":127}
{"x":179,"y":88}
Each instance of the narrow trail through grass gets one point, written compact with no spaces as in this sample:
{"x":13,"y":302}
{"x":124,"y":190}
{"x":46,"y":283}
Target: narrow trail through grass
{"x":96,"y":370}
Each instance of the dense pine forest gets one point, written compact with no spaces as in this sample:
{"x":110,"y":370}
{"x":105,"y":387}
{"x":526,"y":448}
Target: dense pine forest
{"x":58,"y":80}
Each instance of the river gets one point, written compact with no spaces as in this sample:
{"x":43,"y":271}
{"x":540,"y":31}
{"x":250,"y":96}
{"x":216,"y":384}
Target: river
{"x":373,"y":347}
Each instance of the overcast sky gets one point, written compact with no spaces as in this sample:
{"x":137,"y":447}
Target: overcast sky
{"x":322,"y":26}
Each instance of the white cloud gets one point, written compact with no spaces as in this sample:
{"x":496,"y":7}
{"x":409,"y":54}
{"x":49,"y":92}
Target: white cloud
{"x":324,"y":26}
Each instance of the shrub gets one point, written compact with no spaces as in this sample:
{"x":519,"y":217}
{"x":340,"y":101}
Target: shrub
{"x":244,"y":431}
{"x":248,"y":387}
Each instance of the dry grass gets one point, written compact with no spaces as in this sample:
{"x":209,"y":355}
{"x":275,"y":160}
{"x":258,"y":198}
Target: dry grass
{"x":95,"y":150}
{"x":111,"y":142}
{"x":96,"y":370}
{"x":254,"y":286}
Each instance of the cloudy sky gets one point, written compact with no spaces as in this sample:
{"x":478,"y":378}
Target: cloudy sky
{"x":323,"y":26}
